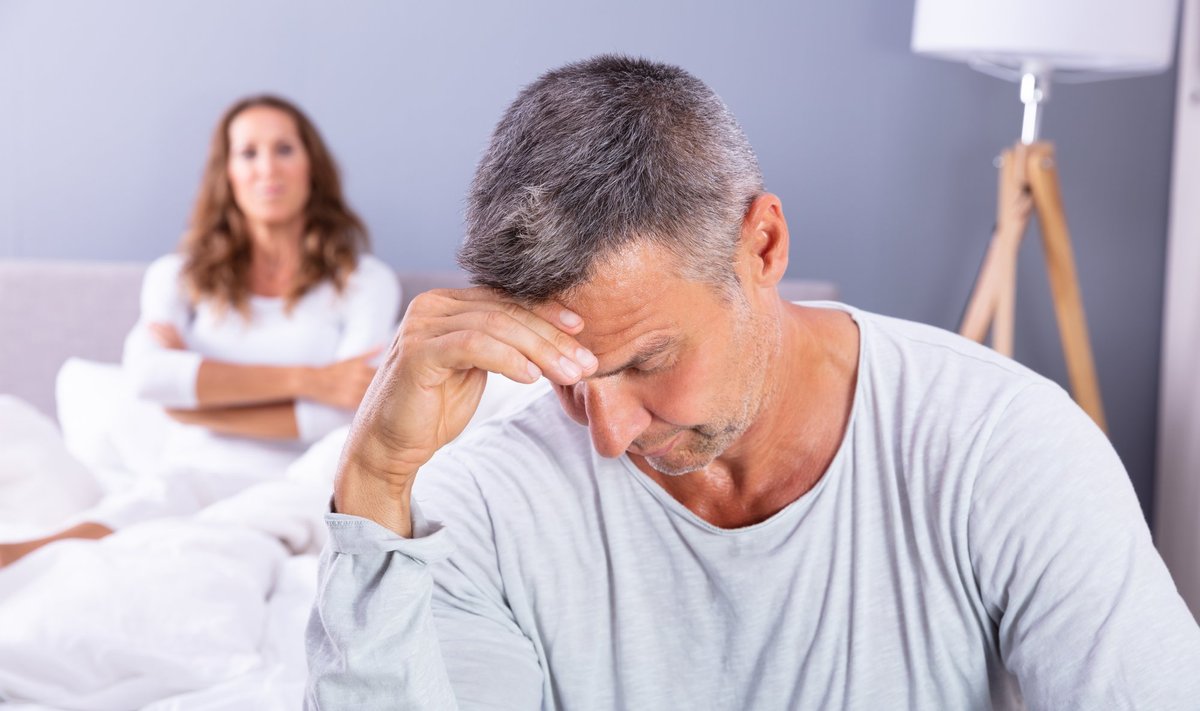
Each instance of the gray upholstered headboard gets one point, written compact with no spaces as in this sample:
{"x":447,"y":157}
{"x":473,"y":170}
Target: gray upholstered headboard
{"x":53,"y":310}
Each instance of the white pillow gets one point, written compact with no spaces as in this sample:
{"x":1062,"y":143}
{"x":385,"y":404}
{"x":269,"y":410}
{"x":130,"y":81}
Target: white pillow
{"x":40,"y":482}
{"x":119,"y":437}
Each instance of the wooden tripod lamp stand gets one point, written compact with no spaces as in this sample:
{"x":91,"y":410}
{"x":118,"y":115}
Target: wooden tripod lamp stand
{"x":1028,"y":175}
{"x":1029,"y":41}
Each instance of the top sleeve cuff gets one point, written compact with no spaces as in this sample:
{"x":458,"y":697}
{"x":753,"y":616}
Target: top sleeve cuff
{"x":167,"y":377}
{"x":354,"y":535}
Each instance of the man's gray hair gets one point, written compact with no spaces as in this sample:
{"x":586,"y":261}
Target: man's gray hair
{"x":600,"y":154}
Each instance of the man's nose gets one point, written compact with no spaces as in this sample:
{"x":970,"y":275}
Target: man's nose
{"x":615,"y":415}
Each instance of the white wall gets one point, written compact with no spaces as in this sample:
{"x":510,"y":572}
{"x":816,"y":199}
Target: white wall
{"x":1177,"y":529}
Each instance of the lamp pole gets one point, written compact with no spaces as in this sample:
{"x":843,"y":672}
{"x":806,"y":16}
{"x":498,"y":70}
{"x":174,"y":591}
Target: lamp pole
{"x":1035,"y":89}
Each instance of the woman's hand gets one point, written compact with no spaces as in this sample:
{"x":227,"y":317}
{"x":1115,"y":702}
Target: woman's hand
{"x":166,"y":336}
{"x":430,"y":384}
{"x":341,"y":384}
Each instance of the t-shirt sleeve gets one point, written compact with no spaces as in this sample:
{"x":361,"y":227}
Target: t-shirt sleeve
{"x":370,"y":305}
{"x":417,"y":623}
{"x":491,"y":661}
{"x":164,"y":375}
{"x":371,"y":641}
{"x":1086,"y":612}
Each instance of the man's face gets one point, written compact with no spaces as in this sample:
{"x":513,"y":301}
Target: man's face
{"x":682,"y":371}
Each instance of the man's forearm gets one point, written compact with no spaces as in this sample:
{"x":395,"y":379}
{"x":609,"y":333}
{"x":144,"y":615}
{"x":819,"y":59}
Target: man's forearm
{"x":365,"y":489}
{"x":273,"y":421}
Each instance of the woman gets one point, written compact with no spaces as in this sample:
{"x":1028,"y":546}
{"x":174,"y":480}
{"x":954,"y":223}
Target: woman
{"x":258,"y":335}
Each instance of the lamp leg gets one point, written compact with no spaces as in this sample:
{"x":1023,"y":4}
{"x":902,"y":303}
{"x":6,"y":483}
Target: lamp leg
{"x":1013,"y":206}
{"x":994,"y":294}
{"x":982,"y":304}
{"x":1064,"y":282}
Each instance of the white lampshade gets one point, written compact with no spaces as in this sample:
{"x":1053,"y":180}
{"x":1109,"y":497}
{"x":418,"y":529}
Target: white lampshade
{"x":1127,"y":36}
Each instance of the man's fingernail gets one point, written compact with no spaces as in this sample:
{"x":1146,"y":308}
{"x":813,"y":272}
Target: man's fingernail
{"x":585,"y":358}
{"x":569,"y":368}
{"x":534,"y":371}
{"x":570,"y":319}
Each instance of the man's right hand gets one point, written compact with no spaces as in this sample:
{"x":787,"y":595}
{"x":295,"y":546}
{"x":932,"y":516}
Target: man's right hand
{"x":430,"y":384}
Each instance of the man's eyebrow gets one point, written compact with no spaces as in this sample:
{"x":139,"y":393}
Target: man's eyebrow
{"x":655,"y":346}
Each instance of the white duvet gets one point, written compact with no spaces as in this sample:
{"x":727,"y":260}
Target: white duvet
{"x":200,"y":612}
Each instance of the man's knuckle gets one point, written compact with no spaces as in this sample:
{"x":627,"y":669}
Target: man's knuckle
{"x":472,"y":340}
{"x":497,"y":321}
{"x":563,"y":342}
{"x":419,"y":304}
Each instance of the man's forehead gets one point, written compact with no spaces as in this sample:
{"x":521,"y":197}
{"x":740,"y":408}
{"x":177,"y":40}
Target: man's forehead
{"x":615,"y":320}
{"x":634,"y":294}
{"x":632,"y":308}
{"x":630,"y":288}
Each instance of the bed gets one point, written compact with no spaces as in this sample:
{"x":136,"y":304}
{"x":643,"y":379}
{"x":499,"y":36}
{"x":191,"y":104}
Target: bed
{"x":203,"y":612}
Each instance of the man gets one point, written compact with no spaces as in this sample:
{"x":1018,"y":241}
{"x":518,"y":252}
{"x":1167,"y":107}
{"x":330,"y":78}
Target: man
{"x":748,"y":504}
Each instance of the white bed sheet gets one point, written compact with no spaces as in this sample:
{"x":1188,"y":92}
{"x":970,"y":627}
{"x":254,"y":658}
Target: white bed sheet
{"x":247,"y":652}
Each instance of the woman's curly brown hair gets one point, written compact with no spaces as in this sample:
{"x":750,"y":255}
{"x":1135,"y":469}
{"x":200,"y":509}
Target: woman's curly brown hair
{"x":216,"y":247}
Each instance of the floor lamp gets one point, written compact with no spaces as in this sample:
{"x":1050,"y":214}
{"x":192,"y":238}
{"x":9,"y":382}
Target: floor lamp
{"x":1032,"y":41}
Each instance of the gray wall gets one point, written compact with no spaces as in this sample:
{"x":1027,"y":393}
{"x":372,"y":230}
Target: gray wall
{"x":883,"y":159}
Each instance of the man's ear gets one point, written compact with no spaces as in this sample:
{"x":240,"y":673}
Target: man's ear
{"x":763,"y":252}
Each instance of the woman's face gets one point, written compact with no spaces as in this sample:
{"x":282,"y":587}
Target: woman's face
{"x":268,"y":166}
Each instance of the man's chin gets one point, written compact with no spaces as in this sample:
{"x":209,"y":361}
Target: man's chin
{"x":676,"y":466}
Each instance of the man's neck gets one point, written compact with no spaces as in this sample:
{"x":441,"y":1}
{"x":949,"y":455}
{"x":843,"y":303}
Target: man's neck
{"x":799,"y":430}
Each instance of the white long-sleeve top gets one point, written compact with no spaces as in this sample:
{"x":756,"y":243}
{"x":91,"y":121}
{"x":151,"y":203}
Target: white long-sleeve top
{"x":975,"y":541}
{"x":324,"y":326}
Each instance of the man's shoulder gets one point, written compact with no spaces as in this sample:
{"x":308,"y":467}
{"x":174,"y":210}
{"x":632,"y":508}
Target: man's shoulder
{"x":934,"y":385}
{"x":936,"y":357}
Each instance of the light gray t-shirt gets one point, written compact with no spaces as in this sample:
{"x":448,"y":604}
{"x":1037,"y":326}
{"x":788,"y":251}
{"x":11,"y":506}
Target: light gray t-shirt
{"x":975,"y":540}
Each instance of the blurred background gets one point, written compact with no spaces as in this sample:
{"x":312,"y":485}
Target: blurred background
{"x":883,"y":159}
